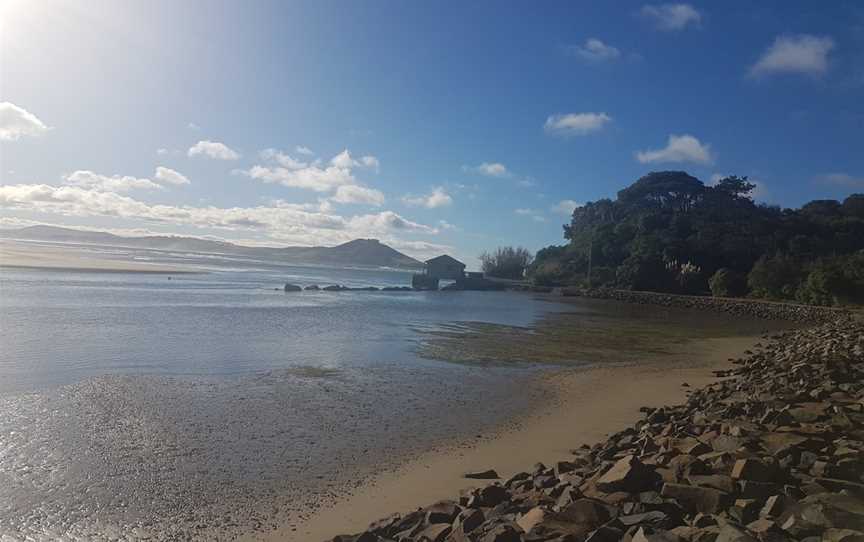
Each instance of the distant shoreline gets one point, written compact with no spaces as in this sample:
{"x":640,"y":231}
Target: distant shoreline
{"x":19,"y":256}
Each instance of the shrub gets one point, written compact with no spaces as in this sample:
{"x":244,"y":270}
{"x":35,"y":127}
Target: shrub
{"x":727,"y":283}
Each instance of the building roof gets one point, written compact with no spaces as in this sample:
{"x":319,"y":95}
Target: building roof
{"x":444,"y":258}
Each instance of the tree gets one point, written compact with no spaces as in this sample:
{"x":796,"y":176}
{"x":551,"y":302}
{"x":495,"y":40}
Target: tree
{"x":775,"y":277}
{"x":669,"y":232}
{"x":506,"y":262}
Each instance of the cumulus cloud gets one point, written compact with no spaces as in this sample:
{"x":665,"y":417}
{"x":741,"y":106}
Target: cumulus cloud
{"x":16,"y":122}
{"x":346,"y":161}
{"x":489,"y":169}
{"x":842,"y":179}
{"x":351,"y":193}
{"x":672,"y":16}
{"x":576,"y":123}
{"x":800,"y":54}
{"x":388,"y":220}
{"x":311,"y":178}
{"x":437,"y":198}
{"x":300,"y":149}
{"x":595,"y":50}
{"x":213,"y":149}
{"x":282,"y":159}
{"x":331,"y":176}
{"x":565,"y":207}
{"x":680,"y":148}
{"x":297,"y":223}
{"x":108,"y":183}
{"x":170,"y":176}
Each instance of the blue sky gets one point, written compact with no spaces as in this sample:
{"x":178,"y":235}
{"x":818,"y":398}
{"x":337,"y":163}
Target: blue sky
{"x":466,"y":125}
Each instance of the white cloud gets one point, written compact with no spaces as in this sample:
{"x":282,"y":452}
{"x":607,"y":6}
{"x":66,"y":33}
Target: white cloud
{"x":595,"y":50}
{"x":842,"y":179}
{"x":213,"y":149}
{"x":162,"y":152}
{"x":16,"y":122}
{"x":576,"y":123}
{"x":683,"y":148}
{"x":351,"y":193}
{"x":311,"y":178}
{"x":108,"y":183}
{"x":280,"y":221}
{"x":672,"y":16}
{"x":565,"y":207}
{"x":170,"y":176}
{"x":283,"y":159}
{"x":388,"y":220}
{"x":437,"y":198}
{"x":370,"y":162}
{"x":193,"y":126}
{"x":801,"y":54}
{"x":489,"y":169}
{"x":344,"y":160}
{"x":300,"y":149}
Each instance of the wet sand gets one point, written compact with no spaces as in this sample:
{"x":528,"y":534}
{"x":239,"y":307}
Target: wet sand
{"x":28,"y":256}
{"x":584,"y":406}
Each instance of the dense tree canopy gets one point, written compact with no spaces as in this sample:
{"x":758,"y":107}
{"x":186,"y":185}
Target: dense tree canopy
{"x":670,"y":232}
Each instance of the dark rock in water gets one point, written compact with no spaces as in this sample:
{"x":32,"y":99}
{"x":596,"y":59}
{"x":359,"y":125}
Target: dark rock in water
{"x":396,"y":289}
{"x":489,"y":474}
{"x":312,"y":287}
{"x":333,"y":288}
{"x":292,"y":288}
{"x":364,"y":289}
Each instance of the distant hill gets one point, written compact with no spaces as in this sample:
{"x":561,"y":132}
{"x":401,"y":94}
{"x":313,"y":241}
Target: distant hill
{"x":362,"y":252}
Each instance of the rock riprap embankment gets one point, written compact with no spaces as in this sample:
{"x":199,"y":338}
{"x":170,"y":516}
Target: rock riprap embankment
{"x":773,"y":451}
{"x":735,"y":306}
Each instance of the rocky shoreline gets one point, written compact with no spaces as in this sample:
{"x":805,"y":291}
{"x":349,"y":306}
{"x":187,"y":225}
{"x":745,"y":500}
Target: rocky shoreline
{"x":773,"y":451}
{"x":736,"y":306}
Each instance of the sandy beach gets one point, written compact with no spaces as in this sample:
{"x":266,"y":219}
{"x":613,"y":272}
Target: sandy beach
{"x":29,"y":256}
{"x":584,"y":406}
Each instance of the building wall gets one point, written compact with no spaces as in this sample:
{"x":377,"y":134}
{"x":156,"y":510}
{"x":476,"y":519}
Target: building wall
{"x":445,"y":271}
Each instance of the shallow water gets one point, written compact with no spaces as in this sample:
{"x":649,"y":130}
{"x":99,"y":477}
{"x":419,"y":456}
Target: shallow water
{"x":209,"y":405}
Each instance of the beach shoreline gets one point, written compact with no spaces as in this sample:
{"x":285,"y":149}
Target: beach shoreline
{"x":21,"y":256}
{"x":586,"y":404}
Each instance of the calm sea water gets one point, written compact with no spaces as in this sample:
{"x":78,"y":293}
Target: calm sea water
{"x":135,"y":403}
{"x":204,"y":406}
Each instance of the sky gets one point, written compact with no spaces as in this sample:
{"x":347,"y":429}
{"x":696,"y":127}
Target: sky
{"x":437,"y":127}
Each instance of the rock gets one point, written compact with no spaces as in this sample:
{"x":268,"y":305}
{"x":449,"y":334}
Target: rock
{"x":754,"y":470}
{"x":468,"y":520}
{"x":628,"y":474}
{"x":531,"y":518}
{"x":504,"y":532}
{"x":292,"y":288}
{"x":442,"y":512}
{"x":434,"y":533}
{"x":842,"y":535}
{"x":585,"y":512}
{"x":312,"y":287}
{"x":482,"y":475}
{"x":695,"y":499}
{"x":333,"y":288}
